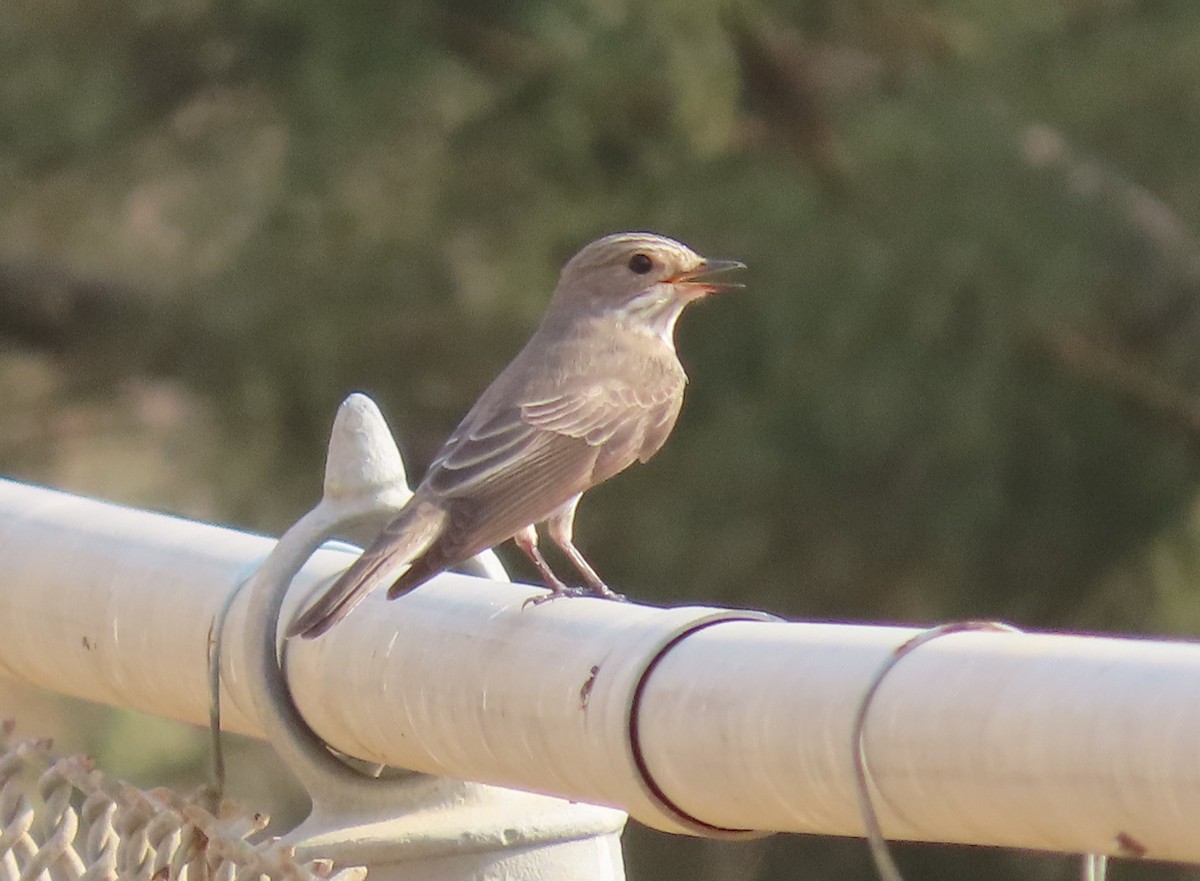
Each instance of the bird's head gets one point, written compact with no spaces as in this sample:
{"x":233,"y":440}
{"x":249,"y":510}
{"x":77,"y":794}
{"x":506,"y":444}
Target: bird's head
{"x":639,"y":277}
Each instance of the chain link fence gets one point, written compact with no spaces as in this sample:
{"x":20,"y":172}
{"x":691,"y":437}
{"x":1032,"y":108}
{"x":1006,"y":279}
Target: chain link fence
{"x":63,"y":819}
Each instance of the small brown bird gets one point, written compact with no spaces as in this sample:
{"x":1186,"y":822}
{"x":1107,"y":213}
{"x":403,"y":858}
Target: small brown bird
{"x":597,"y":387}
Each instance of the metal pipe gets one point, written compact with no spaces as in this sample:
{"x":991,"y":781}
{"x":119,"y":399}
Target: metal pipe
{"x":689,"y":721}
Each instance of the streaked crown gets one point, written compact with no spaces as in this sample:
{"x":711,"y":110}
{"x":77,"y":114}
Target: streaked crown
{"x":620,"y":266}
{"x":636,"y":277}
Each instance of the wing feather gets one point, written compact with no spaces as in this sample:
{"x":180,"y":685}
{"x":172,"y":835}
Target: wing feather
{"x":496,"y":509}
{"x":496,"y":442}
{"x":506,"y":468}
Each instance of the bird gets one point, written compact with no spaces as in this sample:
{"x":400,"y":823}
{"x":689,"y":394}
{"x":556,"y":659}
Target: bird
{"x":597,"y":387}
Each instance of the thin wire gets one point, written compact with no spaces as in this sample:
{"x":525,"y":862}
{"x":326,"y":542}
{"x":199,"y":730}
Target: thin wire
{"x":216,"y":636}
{"x":216,"y":633}
{"x":881,"y":853}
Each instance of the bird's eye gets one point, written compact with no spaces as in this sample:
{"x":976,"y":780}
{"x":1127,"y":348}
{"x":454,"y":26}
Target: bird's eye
{"x":640,"y":263}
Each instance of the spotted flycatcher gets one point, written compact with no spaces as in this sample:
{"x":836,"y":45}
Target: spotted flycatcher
{"x":597,"y":387}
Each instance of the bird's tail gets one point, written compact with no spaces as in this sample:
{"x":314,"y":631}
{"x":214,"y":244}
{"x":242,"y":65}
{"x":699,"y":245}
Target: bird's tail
{"x":415,"y":528}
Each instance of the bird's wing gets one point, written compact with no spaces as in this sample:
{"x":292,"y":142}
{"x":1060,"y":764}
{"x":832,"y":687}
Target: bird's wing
{"x":488,"y":453}
{"x":499,"y":474}
{"x":598,"y":413}
{"x":609,"y":417}
{"x":625,"y":423}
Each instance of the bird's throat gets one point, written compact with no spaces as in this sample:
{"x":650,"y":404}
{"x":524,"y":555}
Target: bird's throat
{"x":653,"y":313}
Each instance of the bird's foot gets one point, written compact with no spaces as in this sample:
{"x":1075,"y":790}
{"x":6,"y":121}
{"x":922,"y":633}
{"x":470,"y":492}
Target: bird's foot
{"x":556,"y":592}
{"x":604,"y":592}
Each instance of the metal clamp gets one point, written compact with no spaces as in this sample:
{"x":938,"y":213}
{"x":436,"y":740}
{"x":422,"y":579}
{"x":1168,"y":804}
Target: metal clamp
{"x":365,"y":485}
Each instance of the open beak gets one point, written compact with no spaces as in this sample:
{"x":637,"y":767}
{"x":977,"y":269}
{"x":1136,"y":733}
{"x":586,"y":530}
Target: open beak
{"x":700,"y":277}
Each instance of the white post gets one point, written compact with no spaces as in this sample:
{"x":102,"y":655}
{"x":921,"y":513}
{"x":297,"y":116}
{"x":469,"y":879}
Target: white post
{"x":689,"y":721}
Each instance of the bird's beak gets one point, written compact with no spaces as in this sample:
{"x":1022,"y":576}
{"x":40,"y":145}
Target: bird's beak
{"x":700,"y":277}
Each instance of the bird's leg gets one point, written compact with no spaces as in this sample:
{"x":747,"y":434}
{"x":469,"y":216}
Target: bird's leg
{"x":560,"y":526}
{"x":527,"y":541}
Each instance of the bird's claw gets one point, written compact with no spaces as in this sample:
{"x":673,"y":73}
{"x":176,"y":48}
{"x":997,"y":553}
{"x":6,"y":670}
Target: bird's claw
{"x":604,"y":593}
{"x":554,"y":594}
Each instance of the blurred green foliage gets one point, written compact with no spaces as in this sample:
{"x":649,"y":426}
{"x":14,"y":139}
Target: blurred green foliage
{"x":961,"y":382}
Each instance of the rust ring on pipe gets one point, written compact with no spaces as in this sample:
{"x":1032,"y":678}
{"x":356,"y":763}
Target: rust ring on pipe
{"x":649,"y":784}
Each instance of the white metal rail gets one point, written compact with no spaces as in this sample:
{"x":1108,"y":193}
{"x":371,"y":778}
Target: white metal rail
{"x":689,"y":722}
